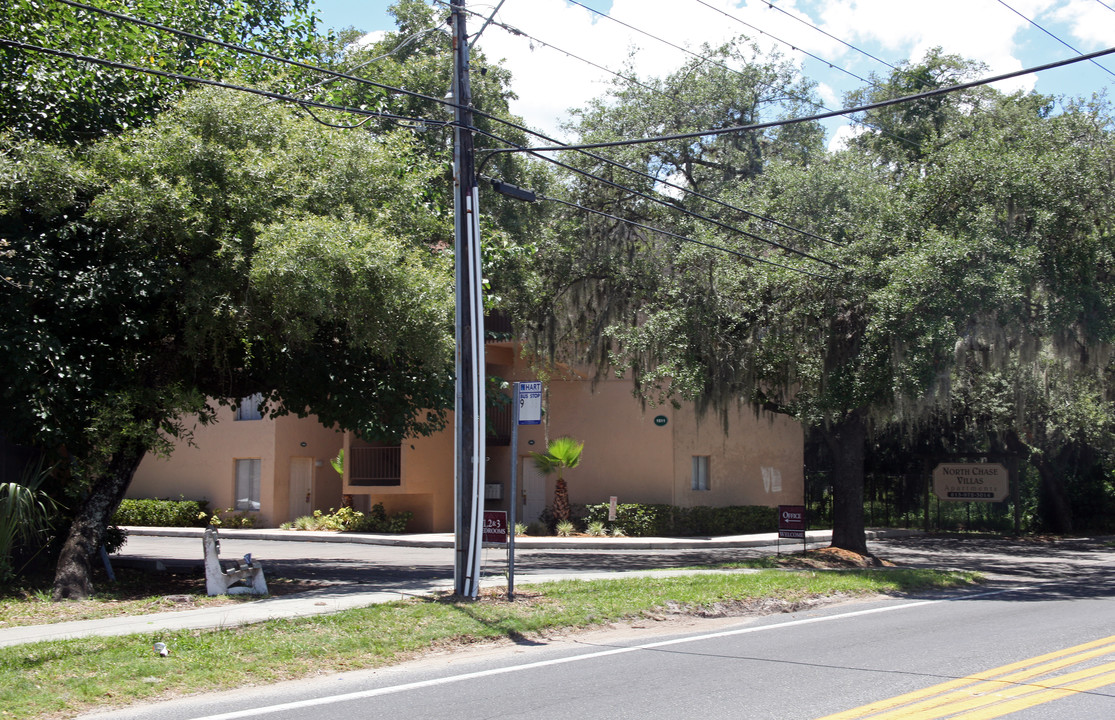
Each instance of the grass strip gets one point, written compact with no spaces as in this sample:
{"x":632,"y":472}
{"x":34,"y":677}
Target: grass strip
{"x":63,"y":678}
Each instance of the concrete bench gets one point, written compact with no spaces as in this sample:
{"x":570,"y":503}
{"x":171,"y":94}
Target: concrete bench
{"x":243,"y":579}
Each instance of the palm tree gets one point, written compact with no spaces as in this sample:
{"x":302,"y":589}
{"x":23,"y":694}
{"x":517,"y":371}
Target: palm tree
{"x":25,"y":513}
{"x":561,"y":453}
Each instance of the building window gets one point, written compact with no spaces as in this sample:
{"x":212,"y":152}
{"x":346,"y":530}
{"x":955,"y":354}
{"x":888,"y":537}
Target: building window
{"x":247,"y":484}
{"x":700,"y":472}
{"x":248,"y":409}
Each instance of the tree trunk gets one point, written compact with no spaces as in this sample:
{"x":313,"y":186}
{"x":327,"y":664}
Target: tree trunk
{"x":846,"y":441}
{"x":1055,"y":511}
{"x":561,"y":500}
{"x":73,"y":575}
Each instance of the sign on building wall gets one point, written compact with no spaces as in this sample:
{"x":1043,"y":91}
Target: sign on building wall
{"x":530,"y":403}
{"x":981,"y":482}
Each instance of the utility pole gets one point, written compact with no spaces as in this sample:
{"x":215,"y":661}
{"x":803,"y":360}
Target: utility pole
{"x":469,"y":409}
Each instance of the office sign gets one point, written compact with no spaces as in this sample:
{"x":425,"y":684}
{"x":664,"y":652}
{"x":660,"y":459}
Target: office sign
{"x":791,"y":521}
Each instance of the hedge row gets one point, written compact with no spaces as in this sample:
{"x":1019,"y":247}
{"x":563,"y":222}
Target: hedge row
{"x":638,"y":520}
{"x":162,"y":513}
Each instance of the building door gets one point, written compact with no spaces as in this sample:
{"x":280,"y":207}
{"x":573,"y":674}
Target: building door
{"x":301,"y":486}
{"x":534,"y":490}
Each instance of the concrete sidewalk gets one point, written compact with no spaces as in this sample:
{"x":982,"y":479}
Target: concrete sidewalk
{"x":329,"y":600}
{"x":445,"y":540}
{"x":257,"y":611}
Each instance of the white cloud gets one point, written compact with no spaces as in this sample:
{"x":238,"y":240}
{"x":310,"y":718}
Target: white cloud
{"x":550,"y":82}
{"x":1092,"y":25}
{"x":843,"y":135}
{"x":370,"y":38}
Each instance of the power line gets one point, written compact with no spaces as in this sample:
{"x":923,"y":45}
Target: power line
{"x":784,"y":42}
{"x":420,"y":121}
{"x":667,"y":183}
{"x":517,"y":32}
{"x":402,"y":44}
{"x":657,"y":200}
{"x":390,"y":116}
{"x":772,"y":6}
{"x":217,"y":83}
{"x":687,"y":51}
{"x":1039,"y":27}
{"x":1101,"y":2}
{"x":703,"y":58}
{"x":683,"y":238}
{"x":258,"y":53}
{"x":824,"y":116}
{"x":485,"y":25}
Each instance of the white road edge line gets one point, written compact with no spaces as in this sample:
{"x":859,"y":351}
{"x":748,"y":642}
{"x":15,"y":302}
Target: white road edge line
{"x":363,"y":694}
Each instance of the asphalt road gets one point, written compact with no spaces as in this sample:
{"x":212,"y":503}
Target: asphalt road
{"x":1025,"y":631}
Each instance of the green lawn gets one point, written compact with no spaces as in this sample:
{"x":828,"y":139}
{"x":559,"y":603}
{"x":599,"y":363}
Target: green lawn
{"x":63,"y":678}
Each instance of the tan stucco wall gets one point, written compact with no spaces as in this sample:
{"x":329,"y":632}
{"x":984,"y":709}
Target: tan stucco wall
{"x":626,"y":455}
{"x":206,"y":470}
{"x":737,"y":459}
{"x":426,"y":488}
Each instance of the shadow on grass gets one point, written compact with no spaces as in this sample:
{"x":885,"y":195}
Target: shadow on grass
{"x":467,"y":607}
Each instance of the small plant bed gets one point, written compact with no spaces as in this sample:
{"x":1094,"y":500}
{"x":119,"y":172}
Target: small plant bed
{"x":135,"y":592}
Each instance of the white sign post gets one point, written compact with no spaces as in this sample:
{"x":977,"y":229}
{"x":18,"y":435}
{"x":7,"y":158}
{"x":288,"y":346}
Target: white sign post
{"x":526,"y":409}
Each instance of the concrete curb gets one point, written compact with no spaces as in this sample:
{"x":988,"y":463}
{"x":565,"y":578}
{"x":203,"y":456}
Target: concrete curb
{"x":445,"y":540}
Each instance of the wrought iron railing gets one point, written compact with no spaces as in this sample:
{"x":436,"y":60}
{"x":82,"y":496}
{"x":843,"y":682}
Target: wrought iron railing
{"x":376,"y":466}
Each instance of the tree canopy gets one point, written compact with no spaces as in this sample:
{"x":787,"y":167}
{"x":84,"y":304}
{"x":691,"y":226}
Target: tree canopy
{"x":226,"y":249}
{"x":57,"y":99}
{"x":969,"y":232}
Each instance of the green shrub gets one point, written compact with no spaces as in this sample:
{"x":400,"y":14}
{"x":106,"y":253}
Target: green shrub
{"x":347,"y":519}
{"x":636,"y":519}
{"x":565,"y":528}
{"x":639,"y":520}
{"x":162,"y":513}
{"x":229,"y":518}
{"x":732,"y":520}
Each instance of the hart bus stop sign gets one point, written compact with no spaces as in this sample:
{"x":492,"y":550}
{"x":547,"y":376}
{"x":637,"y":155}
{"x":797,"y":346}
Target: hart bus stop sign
{"x":979,"y":482}
{"x":530,"y":403}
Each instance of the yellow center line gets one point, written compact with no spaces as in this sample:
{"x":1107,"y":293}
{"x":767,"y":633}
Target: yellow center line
{"x":1012,"y":673}
{"x":1039,"y":698}
{"x":998,"y":692}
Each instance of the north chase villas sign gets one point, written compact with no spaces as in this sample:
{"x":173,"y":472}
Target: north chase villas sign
{"x":986,"y":482}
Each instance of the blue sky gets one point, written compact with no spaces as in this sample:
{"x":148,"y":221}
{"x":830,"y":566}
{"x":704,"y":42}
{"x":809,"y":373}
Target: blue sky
{"x":851,"y":35}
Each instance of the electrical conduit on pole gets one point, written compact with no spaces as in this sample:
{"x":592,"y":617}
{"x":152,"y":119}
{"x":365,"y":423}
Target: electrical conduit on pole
{"x":469,"y":417}
{"x":513,"y":505}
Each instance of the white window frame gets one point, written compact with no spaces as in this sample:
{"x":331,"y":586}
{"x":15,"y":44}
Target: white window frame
{"x":248,"y":409}
{"x":699,"y":480}
{"x":246,"y":484}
